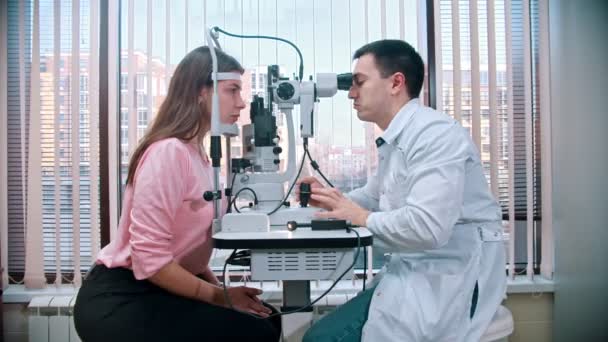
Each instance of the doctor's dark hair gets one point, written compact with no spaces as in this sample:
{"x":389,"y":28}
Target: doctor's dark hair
{"x":391,"y":56}
{"x":183,"y":113}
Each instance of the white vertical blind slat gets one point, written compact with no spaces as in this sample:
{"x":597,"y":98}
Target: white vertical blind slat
{"x":4,"y":143}
{"x":366,"y":21}
{"x":22,"y":117}
{"x":475,"y":83}
{"x":401,"y":20}
{"x":113,"y":119}
{"x":529,"y":143}
{"x":456,"y":72}
{"x":149,"y":59}
{"x":511,"y":142}
{"x":132,"y":80}
{"x":493,"y":113}
{"x":438,"y":56}
{"x":94,"y":125}
{"x":168,"y":41}
{"x":186,"y":45}
{"x":422,"y":44}
{"x":383,"y":19}
{"x":75,"y":128}
{"x":57,"y":166}
{"x":34,"y":260}
{"x":546,"y":266}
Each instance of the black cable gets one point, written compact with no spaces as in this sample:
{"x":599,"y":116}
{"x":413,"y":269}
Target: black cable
{"x":228,"y":197}
{"x":316,"y":166}
{"x":306,"y":306}
{"x":301,"y":70}
{"x":291,"y":187}
{"x":236,"y":196}
{"x":225,"y":289}
{"x":364,"y":266}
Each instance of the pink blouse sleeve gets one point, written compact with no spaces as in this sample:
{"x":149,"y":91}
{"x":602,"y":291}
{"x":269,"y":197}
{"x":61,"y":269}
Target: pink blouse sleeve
{"x":159,"y":190}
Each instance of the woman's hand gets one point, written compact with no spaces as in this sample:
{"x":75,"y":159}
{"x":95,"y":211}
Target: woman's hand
{"x":245,"y":299}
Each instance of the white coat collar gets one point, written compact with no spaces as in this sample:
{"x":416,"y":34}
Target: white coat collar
{"x":395,"y":127}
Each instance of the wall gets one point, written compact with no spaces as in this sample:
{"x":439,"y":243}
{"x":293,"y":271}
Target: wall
{"x":579,"y":105}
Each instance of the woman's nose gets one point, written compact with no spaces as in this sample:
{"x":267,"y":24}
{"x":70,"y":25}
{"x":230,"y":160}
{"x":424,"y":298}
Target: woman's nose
{"x":241,"y":104}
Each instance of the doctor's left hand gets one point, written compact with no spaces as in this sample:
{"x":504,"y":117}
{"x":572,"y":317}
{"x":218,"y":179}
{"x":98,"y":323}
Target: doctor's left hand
{"x":339,"y":206}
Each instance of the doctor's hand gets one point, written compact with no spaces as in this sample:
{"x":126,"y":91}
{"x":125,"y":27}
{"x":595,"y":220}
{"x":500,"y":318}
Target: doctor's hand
{"x":338,"y":206}
{"x":314,"y":184}
{"x":245,"y":299}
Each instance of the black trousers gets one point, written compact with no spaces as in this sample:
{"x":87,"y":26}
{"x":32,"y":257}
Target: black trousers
{"x":114,"y":306}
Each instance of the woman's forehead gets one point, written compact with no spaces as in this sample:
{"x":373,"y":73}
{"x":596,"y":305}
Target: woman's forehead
{"x":229,"y":83}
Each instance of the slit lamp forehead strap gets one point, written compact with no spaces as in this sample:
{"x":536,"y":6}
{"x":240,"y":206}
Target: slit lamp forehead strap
{"x":223,"y":76}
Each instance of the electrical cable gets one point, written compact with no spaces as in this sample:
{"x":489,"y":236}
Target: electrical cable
{"x":316,"y":166}
{"x":236,"y":196}
{"x":301,"y":70}
{"x":292,"y":185}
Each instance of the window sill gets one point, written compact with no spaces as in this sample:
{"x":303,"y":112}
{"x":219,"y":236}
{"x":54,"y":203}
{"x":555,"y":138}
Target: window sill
{"x":272,"y":292}
{"x":521,"y":284}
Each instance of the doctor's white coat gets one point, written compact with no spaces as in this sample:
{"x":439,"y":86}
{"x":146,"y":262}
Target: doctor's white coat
{"x":433,"y":212}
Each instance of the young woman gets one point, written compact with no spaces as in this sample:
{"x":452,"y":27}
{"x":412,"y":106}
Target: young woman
{"x":153,"y":281}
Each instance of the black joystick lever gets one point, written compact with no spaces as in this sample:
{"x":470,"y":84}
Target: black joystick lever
{"x":304,"y":194}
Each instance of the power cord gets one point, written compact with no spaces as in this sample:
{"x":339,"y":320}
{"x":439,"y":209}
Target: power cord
{"x":301,"y":70}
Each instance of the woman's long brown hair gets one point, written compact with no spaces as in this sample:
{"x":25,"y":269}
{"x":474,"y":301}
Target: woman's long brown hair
{"x":181,"y":115}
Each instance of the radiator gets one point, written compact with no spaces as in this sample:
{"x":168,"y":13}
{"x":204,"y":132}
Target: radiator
{"x":50,"y":319}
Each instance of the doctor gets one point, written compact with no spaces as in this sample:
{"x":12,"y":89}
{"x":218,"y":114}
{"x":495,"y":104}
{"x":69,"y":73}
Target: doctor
{"x":428,"y":205}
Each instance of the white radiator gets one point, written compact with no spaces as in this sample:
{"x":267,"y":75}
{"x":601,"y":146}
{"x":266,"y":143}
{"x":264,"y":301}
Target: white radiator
{"x":51,"y":320}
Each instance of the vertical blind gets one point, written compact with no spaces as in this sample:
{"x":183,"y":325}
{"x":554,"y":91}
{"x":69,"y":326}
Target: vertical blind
{"x":52,"y":140}
{"x":493,"y":78}
{"x":491,"y":58}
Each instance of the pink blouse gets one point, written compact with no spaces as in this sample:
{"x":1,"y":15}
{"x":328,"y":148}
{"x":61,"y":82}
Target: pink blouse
{"x":164,"y":216}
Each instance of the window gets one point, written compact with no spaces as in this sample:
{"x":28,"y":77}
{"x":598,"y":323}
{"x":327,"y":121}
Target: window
{"x":58,"y":215}
{"x":475,"y":112}
{"x":84,"y":83}
{"x":124,"y":82}
{"x":336,"y":37}
{"x":142,"y":118}
{"x":141,"y":82}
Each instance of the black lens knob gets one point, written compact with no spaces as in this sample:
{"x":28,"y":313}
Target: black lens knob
{"x":304,"y":194}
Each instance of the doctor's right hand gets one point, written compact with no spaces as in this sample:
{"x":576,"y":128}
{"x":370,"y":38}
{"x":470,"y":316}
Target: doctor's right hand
{"x":314,"y":184}
{"x":245,"y":299}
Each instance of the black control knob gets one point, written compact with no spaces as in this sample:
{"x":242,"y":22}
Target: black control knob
{"x":304,"y":194}
{"x":277,"y":150}
{"x":208,"y":196}
{"x":277,"y":161}
{"x":285,"y":91}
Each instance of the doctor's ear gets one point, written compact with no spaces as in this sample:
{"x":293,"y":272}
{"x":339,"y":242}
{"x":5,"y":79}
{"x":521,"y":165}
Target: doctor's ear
{"x":399,"y":82}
